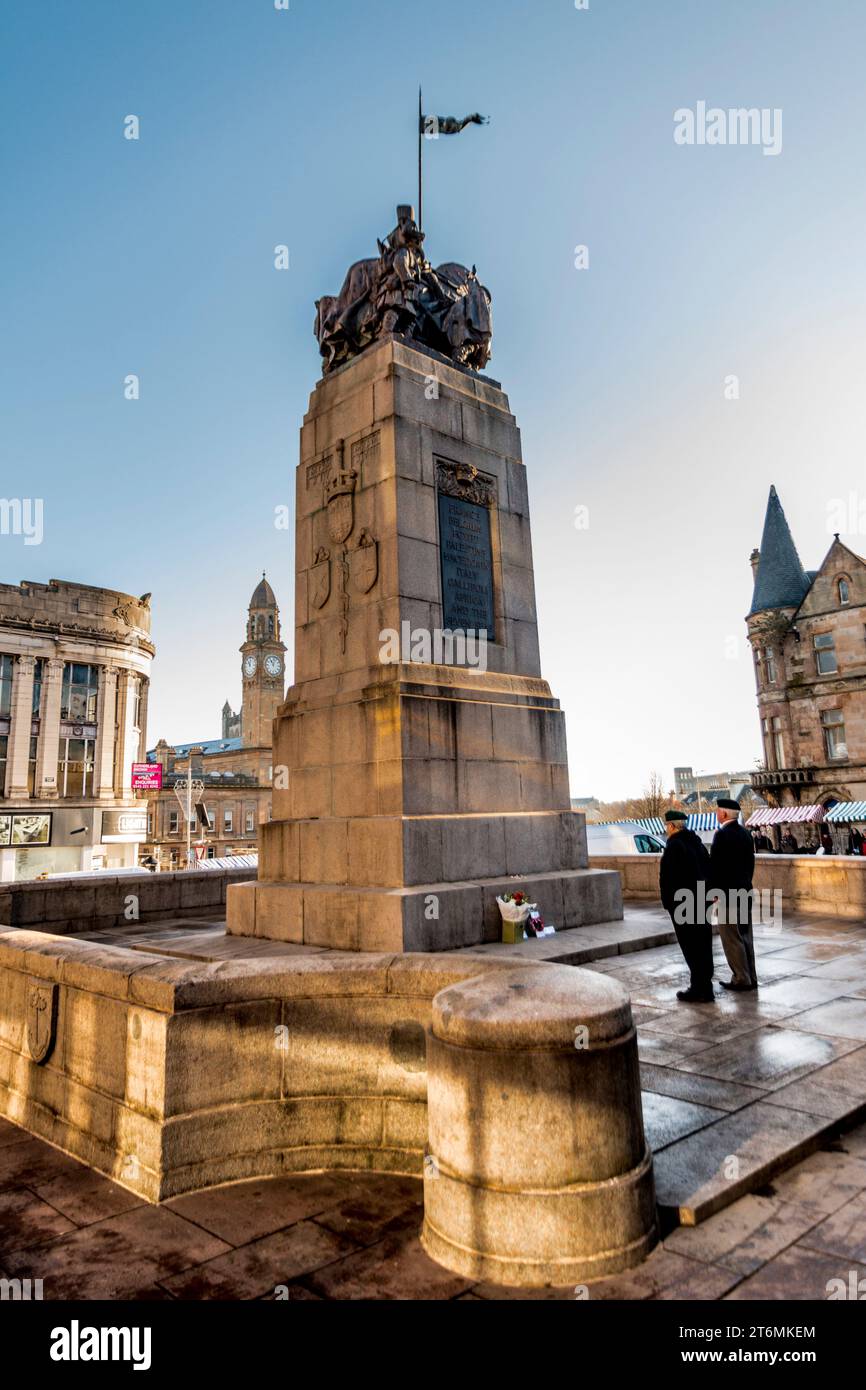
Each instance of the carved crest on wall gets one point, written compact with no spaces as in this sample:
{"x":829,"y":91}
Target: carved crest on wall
{"x":320,"y":578}
{"x":364,"y":563}
{"x":340,"y":498}
{"x":41,"y":1018}
{"x":466,"y":481}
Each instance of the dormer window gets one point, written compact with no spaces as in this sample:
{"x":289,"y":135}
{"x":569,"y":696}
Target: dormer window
{"x":844,"y":591}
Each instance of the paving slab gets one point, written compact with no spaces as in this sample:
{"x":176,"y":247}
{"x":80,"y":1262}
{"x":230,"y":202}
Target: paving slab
{"x":769,"y":1057}
{"x":837,"y":1091}
{"x":27,"y":1221}
{"x":243,"y":1211}
{"x":667,"y":1119}
{"x":842,"y":1018}
{"x":113,"y":1258}
{"x":257,"y":1269}
{"x":745,"y":1235}
{"x":843,"y":1232}
{"x":826,"y":1181}
{"x":798,"y":1274}
{"x":706,"y":1171}
{"x":395,"y":1268}
{"x":700,"y":1090}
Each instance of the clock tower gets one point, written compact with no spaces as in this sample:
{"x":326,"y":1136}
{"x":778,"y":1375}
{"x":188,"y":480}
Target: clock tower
{"x":263,"y":668}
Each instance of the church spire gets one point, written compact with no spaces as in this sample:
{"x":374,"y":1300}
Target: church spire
{"x":780,"y":580}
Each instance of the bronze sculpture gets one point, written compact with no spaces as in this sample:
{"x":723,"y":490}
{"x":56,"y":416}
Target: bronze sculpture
{"x":446,"y":309}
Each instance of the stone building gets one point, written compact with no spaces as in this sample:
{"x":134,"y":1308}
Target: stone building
{"x":807,"y":629}
{"x":74,"y":676}
{"x":236,"y":768}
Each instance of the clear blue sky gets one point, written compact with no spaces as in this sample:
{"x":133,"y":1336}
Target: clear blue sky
{"x":261,"y":127}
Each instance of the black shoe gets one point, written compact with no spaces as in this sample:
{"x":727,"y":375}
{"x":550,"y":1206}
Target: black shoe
{"x":737,"y":989}
{"x":693,"y":996}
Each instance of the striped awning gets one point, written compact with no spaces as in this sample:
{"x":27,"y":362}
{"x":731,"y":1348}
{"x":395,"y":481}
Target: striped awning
{"x":698,"y":820}
{"x":785,"y":815}
{"x":847,"y":810}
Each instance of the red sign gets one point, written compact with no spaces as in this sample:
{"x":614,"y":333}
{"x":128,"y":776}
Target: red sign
{"x":147,"y":777}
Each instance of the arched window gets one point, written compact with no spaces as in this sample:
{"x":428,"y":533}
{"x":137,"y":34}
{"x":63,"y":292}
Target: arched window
{"x":844,"y":591}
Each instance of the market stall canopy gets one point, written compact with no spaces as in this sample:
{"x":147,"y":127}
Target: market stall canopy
{"x":699,"y":820}
{"x":848,"y":810}
{"x":785,"y":815}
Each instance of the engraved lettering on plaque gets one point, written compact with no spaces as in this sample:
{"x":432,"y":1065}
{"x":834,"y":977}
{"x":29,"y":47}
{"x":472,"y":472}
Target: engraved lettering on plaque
{"x":465,"y":498}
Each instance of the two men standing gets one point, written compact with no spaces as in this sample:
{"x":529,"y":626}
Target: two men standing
{"x":695,"y":885}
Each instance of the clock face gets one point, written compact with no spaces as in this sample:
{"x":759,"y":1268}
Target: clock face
{"x":273,"y":665}
{"x":250,"y":665}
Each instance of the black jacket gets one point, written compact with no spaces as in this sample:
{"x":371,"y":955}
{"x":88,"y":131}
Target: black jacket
{"x":732,"y":857}
{"x":684,"y":864}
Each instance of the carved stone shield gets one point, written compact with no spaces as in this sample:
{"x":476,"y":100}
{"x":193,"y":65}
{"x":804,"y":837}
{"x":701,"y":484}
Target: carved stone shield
{"x":320,"y":578}
{"x":364,"y":563}
{"x":340,"y":494}
{"x":41,"y":1018}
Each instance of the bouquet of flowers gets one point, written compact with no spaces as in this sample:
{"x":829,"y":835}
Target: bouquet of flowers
{"x":514,"y":910}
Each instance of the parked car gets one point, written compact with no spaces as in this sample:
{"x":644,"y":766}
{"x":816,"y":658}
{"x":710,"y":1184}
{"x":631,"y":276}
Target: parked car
{"x":621,"y":837}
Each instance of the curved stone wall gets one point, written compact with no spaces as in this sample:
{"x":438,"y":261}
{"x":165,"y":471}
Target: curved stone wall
{"x":170,"y":1076}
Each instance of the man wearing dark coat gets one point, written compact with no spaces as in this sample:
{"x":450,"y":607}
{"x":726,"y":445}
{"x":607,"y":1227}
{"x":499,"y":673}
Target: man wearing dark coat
{"x":732,"y":867}
{"x":683,"y":873}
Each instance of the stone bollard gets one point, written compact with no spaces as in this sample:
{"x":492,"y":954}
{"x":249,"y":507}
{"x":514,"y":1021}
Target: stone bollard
{"x":537,"y":1169}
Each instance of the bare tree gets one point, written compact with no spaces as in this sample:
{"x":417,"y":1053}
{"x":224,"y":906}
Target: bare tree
{"x":653,"y":802}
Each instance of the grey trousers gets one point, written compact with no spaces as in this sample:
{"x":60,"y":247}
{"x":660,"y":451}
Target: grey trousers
{"x":739,"y":948}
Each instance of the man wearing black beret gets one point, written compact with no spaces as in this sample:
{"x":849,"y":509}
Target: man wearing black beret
{"x":732,"y":867}
{"x":683,"y":872}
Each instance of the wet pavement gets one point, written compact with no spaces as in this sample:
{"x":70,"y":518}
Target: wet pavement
{"x":753,"y":1106}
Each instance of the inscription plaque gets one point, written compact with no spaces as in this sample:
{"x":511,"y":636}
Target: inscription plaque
{"x":467,"y":566}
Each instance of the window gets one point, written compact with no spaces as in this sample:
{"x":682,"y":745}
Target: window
{"x":774,"y":749}
{"x":778,"y":746}
{"x":844,"y":591}
{"x":825,"y":653}
{"x":833,"y":724}
{"x":647,"y":845}
{"x":37,"y":687}
{"x":79,"y":693}
{"x":210,"y":851}
{"x":227,"y":822}
{"x":75,"y":771}
{"x":770,"y":665}
{"x":173,"y":822}
{"x":6,"y":669}
{"x":4,"y":750}
{"x":250,"y":822}
{"x":31,"y":765}
{"x":135,"y":701}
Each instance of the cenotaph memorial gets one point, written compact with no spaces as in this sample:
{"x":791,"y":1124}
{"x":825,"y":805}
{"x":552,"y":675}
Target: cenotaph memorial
{"x":420,"y":763}
{"x":419,"y":770}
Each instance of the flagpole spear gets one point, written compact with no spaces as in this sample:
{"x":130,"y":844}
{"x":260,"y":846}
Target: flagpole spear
{"x":420,"y":137}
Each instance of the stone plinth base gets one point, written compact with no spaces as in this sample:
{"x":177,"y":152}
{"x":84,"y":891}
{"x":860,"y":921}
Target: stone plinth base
{"x":426,"y":917}
{"x":551,"y":1058}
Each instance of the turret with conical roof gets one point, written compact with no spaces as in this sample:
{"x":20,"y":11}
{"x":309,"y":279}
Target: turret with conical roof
{"x":780,"y":580}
